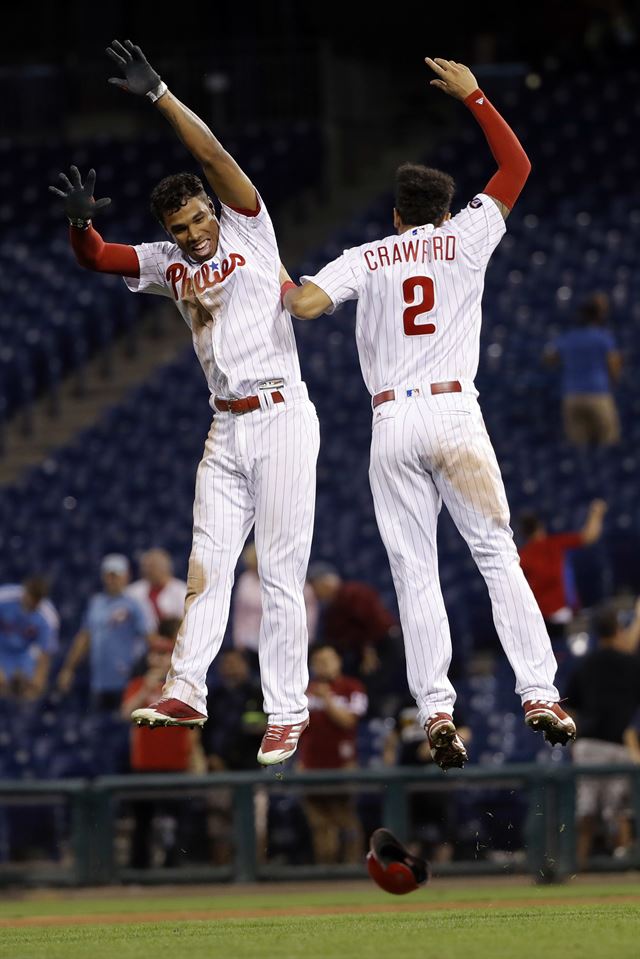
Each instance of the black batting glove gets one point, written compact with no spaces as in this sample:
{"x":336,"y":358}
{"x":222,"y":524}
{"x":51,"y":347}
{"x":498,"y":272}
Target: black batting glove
{"x":79,"y":204}
{"x":139,"y":76}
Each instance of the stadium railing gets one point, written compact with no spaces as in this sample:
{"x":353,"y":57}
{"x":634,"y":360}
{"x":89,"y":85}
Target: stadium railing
{"x":90,"y":818}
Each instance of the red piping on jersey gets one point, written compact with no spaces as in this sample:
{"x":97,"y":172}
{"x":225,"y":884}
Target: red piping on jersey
{"x":94,"y":254}
{"x":243,"y":212}
{"x":513,"y":163}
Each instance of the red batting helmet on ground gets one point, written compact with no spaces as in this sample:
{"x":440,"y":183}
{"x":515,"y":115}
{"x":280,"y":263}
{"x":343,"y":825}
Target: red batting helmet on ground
{"x":392,"y":867}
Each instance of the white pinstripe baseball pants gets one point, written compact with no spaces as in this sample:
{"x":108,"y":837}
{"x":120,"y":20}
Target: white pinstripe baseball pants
{"x":256,"y":467}
{"x":426,"y":450}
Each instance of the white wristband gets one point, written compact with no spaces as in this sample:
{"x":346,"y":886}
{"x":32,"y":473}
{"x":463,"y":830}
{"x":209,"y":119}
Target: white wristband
{"x":159,"y":91}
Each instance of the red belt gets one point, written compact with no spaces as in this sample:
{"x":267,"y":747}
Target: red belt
{"x":451,"y":386}
{"x":245,"y":405}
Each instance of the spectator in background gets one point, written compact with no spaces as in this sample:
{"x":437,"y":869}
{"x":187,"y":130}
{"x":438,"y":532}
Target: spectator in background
{"x":604,"y":691}
{"x":247,"y":608}
{"x":166,"y":629}
{"x":112,"y":633}
{"x":353,"y":618}
{"x":336,"y":705}
{"x":432,"y":814}
{"x":159,"y":593}
{"x":543,"y":558}
{"x":230,"y":739}
{"x":591,"y":364}
{"x":170,"y":750}
{"x":29,"y":627}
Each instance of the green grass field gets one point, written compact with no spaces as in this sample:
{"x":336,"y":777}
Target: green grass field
{"x":349,"y":921}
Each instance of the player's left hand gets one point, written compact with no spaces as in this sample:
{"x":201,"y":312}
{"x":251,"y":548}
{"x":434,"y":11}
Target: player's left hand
{"x":452,"y":78}
{"x":140,"y":77}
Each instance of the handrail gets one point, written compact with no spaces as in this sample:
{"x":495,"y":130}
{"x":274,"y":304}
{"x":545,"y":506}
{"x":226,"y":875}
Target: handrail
{"x":550,"y":829}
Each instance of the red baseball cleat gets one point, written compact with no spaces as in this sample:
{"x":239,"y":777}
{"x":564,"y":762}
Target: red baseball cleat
{"x":168,"y":712}
{"x":280,"y":742}
{"x":551,"y":719}
{"x":447,"y":749}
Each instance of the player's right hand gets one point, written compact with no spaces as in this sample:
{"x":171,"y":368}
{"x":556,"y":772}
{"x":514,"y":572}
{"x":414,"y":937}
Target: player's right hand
{"x":452,"y":78}
{"x":139,"y":76}
{"x":79,"y":204}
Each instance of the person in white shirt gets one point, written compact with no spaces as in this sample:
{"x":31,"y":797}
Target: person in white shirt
{"x":247,"y":606}
{"x":159,"y":592}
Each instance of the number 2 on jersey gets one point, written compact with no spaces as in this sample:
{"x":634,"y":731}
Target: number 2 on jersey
{"x":410,"y":288}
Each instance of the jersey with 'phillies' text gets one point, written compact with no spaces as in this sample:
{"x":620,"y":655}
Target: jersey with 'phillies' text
{"x":241,"y":333}
{"x":419,"y":297}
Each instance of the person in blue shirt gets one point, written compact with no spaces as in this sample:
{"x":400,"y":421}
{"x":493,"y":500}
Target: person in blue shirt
{"x":28,"y":638}
{"x":112,"y":634}
{"x":591,"y":365}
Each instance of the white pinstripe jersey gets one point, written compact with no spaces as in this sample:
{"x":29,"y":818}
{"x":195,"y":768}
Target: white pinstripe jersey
{"x":419,"y":297}
{"x":241,"y":333}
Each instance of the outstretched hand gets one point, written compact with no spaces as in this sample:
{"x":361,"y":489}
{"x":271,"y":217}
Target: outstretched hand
{"x":139,"y":76}
{"x":452,"y":78}
{"x":79,"y":204}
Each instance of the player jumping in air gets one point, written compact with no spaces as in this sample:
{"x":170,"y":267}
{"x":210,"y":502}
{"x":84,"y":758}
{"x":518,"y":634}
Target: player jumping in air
{"x":260,"y":456}
{"x":418,"y":330}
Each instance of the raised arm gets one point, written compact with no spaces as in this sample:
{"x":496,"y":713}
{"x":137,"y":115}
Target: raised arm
{"x":514,"y":167}
{"x":90,"y":249}
{"x":231,"y":185}
{"x":592,"y":529}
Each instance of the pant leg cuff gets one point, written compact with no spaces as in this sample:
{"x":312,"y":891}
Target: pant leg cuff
{"x":288,"y":719}
{"x":178,"y":689}
{"x":549,"y":694}
{"x":429,"y":710}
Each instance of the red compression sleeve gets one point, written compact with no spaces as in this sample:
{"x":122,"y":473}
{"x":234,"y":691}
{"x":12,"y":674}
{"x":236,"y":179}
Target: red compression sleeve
{"x":94,"y":254}
{"x":513,"y":163}
{"x":286,"y":286}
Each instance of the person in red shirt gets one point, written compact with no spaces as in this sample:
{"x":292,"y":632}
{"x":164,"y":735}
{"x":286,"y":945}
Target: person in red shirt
{"x":336,"y":705}
{"x":543,"y":557}
{"x":167,"y":749}
{"x":353,"y":617}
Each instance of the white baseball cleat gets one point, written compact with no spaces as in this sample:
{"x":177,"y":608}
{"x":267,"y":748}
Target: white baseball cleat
{"x":280,"y":742}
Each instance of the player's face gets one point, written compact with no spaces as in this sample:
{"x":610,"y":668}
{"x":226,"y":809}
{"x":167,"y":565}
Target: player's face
{"x":194,"y":227}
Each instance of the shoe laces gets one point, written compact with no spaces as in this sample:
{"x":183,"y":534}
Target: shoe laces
{"x":274,"y":731}
{"x":544,"y":702}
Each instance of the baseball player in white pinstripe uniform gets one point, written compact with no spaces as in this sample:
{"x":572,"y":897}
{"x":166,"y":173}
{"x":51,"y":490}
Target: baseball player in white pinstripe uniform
{"x":418,"y":328}
{"x":260,"y":455}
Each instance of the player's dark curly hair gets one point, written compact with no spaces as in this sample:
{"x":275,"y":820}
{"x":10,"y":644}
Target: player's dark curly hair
{"x":173,"y":192}
{"x":423,"y":195}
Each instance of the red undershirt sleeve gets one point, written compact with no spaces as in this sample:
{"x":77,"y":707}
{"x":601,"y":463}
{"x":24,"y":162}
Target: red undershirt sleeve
{"x":513,"y":163}
{"x":94,"y":254}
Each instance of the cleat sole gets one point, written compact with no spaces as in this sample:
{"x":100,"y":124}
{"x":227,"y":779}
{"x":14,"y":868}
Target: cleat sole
{"x":554,"y":733}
